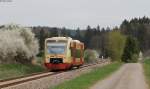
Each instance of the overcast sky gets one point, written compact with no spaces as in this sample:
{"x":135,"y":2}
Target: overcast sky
{"x":72,"y":13}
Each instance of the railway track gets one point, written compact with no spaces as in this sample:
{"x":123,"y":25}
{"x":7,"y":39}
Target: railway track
{"x":18,"y":80}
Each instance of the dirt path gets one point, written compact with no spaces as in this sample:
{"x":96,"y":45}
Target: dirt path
{"x":129,"y":76}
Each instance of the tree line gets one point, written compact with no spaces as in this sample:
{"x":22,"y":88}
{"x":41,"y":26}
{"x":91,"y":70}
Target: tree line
{"x":106,"y":41}
{"x":93,"y":38}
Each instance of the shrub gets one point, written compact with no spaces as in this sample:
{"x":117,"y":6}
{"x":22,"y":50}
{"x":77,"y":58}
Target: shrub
{"x":134,"y":58}
{"x":17,"y":44}
{"x":90,"y":55}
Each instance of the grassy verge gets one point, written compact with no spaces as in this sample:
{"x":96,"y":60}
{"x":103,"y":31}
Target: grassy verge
{"x":146,"y":66}
{"x":15,"y":70}
{"x":86,"y":80}
{"x":40,"y":61}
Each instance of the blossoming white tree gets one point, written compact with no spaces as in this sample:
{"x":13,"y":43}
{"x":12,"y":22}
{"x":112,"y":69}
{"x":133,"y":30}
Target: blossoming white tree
{"x":17,"y":44}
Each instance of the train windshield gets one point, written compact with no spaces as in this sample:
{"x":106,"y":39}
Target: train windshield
{"x":56,"y":48}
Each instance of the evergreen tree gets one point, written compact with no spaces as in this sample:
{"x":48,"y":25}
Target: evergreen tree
{"x":138,"y":28}
{"x":98,"y":28}
{"x":41,"y":39}
{"x":87,"y":37}
{"x":54,"y":32}
{"x":131,"y":50}
{"x":78,"y":34}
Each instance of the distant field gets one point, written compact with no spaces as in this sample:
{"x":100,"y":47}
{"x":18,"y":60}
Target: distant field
{"x":86,"y":80}
{"x":147,"y":70}
{"x":15,"y":70}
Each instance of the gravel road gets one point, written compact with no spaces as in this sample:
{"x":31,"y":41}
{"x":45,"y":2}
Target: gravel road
{"x":129,"y":76}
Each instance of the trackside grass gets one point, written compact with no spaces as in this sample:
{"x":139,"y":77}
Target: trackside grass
{"x":86,"y":80}
{"x":15,"y":70}
{"x":146,"y":66}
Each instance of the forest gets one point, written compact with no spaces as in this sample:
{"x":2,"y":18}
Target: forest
{"x":97,"y":37}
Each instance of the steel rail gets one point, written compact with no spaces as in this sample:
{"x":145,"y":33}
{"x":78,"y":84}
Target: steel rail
{"x":18,"y":80}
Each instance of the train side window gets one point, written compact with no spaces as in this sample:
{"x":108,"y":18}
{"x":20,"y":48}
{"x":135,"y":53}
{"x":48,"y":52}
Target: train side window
{"x":78,"y":53}
{"x":72,"y":49}
{"x":72,"y":52}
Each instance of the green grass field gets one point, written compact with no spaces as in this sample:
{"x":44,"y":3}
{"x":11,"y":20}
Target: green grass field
{"x":15,"y":70}
{"x":146,"y":66}
{"x":86,"y":80}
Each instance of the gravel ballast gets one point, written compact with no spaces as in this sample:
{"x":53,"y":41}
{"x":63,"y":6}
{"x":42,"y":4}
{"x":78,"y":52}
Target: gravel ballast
{"x":51,"y":81}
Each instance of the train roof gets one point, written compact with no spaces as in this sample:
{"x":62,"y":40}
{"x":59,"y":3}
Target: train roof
{"x":77,"y":41}
{"x":63,"y":38}
{"x":59,"y":38}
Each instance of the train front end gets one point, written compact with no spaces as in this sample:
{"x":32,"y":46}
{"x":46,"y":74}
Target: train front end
{"x":56,"y":54}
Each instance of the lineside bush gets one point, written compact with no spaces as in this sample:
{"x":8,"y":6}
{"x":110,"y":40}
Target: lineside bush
{"x":17,"y":44}
{"x":90,"y":56}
